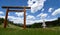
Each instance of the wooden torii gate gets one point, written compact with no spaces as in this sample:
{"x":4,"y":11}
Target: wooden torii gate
{"x":10,"y":9}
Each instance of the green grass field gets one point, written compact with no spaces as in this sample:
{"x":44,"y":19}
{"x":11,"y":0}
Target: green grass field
{"x":14,"y":30}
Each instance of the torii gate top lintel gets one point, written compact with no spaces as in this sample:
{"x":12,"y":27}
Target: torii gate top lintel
{"x":16,"y":7}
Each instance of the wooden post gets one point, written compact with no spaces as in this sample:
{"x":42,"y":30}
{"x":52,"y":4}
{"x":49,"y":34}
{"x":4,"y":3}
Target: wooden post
{"x":5,"y":21}
{"x":24,"y":17}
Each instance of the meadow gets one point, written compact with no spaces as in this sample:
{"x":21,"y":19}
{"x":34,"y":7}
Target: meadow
{"x":15,"y":30}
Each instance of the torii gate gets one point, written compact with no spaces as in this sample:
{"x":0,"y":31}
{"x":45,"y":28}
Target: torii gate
{"x":23,"y":9}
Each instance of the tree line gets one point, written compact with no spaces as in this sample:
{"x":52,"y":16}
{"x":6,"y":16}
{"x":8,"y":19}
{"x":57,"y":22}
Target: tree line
{"x":35,"y":25}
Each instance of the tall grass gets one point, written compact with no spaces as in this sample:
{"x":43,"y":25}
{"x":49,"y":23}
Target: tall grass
{"x":14,"y":30}
{"x":38,"y":31}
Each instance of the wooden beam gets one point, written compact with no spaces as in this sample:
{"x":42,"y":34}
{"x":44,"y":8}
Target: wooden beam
{"x":15,"y":10}
{"x":24,"y":17}
{"x":18,"y":7}
{"x":5,"y":21}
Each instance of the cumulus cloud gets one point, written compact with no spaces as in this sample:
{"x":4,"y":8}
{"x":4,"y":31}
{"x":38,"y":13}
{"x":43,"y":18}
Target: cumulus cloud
{"x":51,"y":19}
{"x":57,"y":11}
{"x":37,"y":21}
{"x":1,"y":12}
{"x":50,"y":9}
{"x":19,"y":13}
{"x":28,"y":21}
{"x":15,"y":19}
{"x":11,"y":17}
{"x":30,"y":17}
{"x":42,"y":15}
{"x":36,"y":5}
{"x":2,"y":16}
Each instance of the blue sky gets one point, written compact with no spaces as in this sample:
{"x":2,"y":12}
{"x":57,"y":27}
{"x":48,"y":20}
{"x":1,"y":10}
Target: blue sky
{"x":49,"y":10}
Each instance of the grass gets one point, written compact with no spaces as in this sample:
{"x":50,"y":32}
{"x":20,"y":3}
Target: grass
{"x":14,"y":30}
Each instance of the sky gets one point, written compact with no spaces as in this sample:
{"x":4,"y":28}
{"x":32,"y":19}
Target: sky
{"x":49,"y":10}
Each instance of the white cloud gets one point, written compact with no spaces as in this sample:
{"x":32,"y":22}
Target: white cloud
{"x":36,"y":5}
{"x":19,"y":13}
{"x":50,"y":9}
{"x":42,"y":15}
{"x":28,"y":21}
{"x":32,"y":21}
{"x":15,"y":19}
{"x":11,"y":17}
{"x":57,"y":11}
{"x":1,"y":12}
{"x":30,"y":17}
{"x":2,"y":16}
{"x":37,"y":21}
{"x":51,"y":19}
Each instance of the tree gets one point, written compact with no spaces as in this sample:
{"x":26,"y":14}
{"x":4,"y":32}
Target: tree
{"x":1,"y":20}
{"x":36,"y":25}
